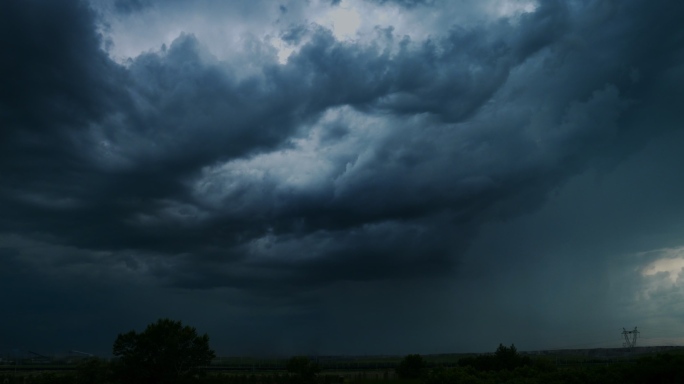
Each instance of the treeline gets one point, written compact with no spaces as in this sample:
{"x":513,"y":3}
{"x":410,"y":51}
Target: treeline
{"x":167,"y":352}
{"x":504,"y":366}
{"x":508,"y":366}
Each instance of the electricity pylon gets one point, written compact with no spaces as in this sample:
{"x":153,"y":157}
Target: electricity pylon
{"x":630,"y":338}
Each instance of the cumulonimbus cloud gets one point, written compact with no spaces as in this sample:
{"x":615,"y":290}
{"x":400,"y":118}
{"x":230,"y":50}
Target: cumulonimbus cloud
{"x":351,"y":160}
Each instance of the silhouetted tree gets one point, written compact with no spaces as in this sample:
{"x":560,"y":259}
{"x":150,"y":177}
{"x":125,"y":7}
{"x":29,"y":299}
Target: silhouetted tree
{"x":411,"y":367}
{"x":505,"y":358}
{"x":166,"y":352}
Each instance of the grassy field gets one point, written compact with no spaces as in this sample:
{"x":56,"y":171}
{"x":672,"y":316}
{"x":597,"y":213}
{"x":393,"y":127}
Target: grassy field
{"x":606,"y":366}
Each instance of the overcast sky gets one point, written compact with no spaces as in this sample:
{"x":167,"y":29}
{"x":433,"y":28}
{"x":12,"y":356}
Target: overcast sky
{"x":342,"y":177}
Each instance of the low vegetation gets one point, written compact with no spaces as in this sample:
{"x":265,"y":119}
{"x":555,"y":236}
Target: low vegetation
{"x":168,"y":352}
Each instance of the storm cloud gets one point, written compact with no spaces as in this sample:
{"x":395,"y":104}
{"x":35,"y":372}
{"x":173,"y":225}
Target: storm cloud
{"x":289,"y":161}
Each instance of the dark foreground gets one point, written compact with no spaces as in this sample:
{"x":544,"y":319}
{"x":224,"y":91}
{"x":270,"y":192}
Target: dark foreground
{"x":503,"y":366}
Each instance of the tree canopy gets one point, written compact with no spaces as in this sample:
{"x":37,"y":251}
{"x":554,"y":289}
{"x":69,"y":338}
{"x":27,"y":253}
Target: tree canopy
{"x":165,"y":352}
{"x":411,"y":367}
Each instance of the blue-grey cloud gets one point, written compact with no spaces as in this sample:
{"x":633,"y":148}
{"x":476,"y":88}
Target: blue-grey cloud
{"x":365,"y":161}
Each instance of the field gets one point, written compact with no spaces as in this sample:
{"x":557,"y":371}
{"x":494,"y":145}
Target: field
{"x":603,"y":365}
{"x":354,"y":365}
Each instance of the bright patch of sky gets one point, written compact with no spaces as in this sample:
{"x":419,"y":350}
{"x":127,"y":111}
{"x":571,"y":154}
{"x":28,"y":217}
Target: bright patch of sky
{"x":225,"y":28}
{"x":670,"y":267}
{"x":660,"y":292}
{"x":344,"y":21}
{"x":307,"y":164}
{"x":510,"y":8}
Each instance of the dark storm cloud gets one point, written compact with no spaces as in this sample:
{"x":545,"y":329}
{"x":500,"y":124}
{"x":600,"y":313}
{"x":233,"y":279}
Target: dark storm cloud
{"x":427,"y":139}
{"x":294,"y":34}
{"x":130,"y":6}
{"x":497,"y":170}
{"x":55,"y":81}
{"x":48,"y":48}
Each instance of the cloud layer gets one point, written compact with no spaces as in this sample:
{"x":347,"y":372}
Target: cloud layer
{"x":281,"y":160}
